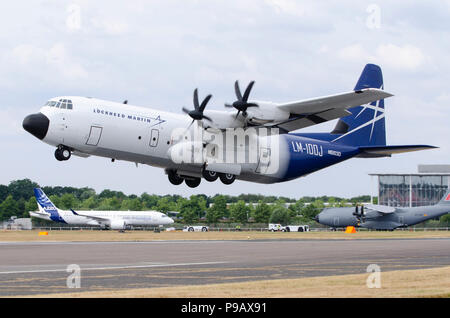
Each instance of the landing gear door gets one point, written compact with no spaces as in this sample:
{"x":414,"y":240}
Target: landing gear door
{"x":94,"y":136}
{"x":263,"y":160}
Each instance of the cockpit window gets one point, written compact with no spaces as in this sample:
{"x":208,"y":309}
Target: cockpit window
{"x":62,"y":103}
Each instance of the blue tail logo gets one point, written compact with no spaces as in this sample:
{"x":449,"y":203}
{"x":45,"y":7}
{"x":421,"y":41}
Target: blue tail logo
{"x":366,"y":125}
{"x":47,"y":205}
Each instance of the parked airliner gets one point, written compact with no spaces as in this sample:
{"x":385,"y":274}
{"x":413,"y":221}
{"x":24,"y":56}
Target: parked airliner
{"x":258,"y":141}
{"x":115,"y":220}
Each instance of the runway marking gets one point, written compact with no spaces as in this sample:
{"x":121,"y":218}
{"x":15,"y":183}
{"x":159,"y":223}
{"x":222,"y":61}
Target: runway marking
{"x":112,"y":267}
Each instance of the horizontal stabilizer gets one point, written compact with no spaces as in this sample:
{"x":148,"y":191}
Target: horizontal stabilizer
{"x":387,"y":151}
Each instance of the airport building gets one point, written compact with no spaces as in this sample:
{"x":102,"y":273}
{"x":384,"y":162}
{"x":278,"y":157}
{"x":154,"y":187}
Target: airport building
{"x":426,"y":187}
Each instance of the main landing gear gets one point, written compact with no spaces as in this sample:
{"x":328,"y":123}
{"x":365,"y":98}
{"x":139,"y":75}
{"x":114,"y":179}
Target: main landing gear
{"x":194,"y":182}
{"x":62,"y":153}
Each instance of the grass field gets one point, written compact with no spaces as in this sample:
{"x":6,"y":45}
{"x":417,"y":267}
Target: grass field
{"x":88,"y":235}
{"x":434,"y":282}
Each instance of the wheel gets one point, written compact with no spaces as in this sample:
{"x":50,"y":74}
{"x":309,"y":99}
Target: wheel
{"x":62,"y":153}
{"x":58,"y":155}
{"x":288,"y":229}
{"x":300,"y":229}
{"x":174,"y":178}
{"x":191,"y":229}
{"x":192,"y":183}
{"x":65,"y":154}
{"x":204,"y":229}
{"x":210,"y":176}
{"x":227,"y":178}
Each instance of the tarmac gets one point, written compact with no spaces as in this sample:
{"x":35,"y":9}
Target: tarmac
{"x":28,"y":268}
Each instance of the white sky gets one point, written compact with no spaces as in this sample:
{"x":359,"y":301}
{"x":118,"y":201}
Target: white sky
{"x":154,"y":53}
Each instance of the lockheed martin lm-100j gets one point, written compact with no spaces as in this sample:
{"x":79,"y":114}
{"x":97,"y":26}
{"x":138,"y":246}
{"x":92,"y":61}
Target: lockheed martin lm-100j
{"x":256,"y":141}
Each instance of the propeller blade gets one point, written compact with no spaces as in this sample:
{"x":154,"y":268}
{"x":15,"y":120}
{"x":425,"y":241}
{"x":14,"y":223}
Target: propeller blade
{"x":228,"y":105}
{"x":237,"y":91}
{"x":237,"y":114}
{"x":186,"y":110}
{"x":207,"y":118}
{"x":247,"y":91}
{"x":196,"y":105}
{"x":205,"y":101}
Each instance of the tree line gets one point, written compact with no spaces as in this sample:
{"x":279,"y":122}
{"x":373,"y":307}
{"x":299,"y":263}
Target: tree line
{"x":17,"y":199}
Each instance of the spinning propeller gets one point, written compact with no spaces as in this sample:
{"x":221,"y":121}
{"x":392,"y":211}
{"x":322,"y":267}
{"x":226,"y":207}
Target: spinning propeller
{"x":241,"y":104}
{"x":197,"y":112}
{"x":359,"y":214}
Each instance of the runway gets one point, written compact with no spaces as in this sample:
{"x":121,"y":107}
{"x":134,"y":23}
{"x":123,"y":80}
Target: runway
{"x":28,"y":268}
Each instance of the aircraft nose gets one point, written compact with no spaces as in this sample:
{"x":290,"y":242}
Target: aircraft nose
{"x":316,"y":218}
{"x":36,"y":124}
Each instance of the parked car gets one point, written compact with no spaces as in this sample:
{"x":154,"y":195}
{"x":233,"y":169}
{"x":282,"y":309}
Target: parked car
{"x":198,"y":228}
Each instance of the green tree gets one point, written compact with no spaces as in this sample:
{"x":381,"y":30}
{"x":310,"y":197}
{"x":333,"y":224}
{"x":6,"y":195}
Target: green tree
{"x":239,"y":212}
{"x":310,"y":211}
{"x":149,"y":201}
{"x":108,"y":204}
{"x":55,"y":200}
{"x":165,"y":205}
{"x":31,"y":205}
{"x":22,"y":188}
{"x":217,"y":210}
{"x":90,"y":203}
{"x":262,"y":212}
{"x":131,"y":205}
{"x":67,"y":201}
{"x":191,"y":209}
{"x":8,"y":208}
{"x":4,"y":191}
{"x":296,"y":208}
{"x":280,"y":215}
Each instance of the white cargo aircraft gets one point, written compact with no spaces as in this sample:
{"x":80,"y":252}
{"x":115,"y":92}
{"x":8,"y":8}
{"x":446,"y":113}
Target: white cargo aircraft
{"x":115,"y":220}
{"x":256,"y":143}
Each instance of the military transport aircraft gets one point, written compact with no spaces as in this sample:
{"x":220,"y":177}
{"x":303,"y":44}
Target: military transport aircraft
{"x":381,"y":217}
{"x":258,"y":141}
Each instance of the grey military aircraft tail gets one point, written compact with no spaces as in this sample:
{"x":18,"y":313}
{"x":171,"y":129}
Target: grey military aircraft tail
{"x":381,"y":217}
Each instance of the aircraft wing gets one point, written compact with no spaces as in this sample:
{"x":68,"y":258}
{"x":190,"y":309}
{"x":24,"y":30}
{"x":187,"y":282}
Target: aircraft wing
{"x":317,"y":110}
{"x":380,"y":208}
{"x":96,"y":218}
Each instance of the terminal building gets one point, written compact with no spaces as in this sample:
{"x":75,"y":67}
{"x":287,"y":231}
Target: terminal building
{"x":426,"y":187}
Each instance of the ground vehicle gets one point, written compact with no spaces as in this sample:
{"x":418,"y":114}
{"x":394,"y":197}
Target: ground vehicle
{"x":296,"y":228}
{"x":275,"y":227}
{"x":199,"y":228}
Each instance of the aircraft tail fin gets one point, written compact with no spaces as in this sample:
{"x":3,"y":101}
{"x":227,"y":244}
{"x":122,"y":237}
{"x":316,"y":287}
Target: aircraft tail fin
{"x":445,"y":199}
{"x":46,"y":205}
{"x":366,"y":125}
